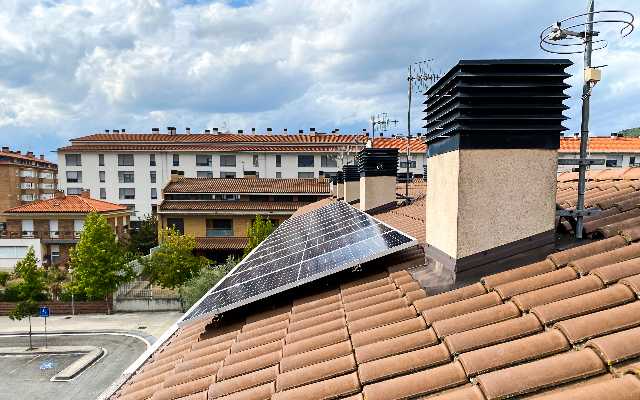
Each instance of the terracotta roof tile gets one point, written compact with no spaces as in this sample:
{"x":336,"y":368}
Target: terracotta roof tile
{"x":409,"y":287}
{"x":595,"y":224}
{"x":368,"y":292}
{"x":269,"y":317}
{"x":390,"y":331}
{"x":601,"y":323}
{"x":513,"y":352}
{"x":452,"y":296}
{"x":601,"y":144}
{"x":583,"y":304}
{"x":585,"y":265}
{"x":168,"y":206}
{"x":540,"y":374}
{"x":258,"y":340}
{"x":250,"y":365}
{"x":316,"y":330}
{"x":631,"y":234}
{"x":68,"y":204}
{"x":329,"y":389}
{"x":314,"y":312}
{"x":510,"y":289}
{"x":248,"y":333}
{"x":315,"y":342}
{"x":625,"y":388}
{"x":315,"y":301}
{"x":262,"y":392}
{"x":463,"y":393}
{"x":395,"y":345}
{"x":378,"y":308}
{"x":527,"y":301}
{"x":492,"y":334}
{"x":199,"y":361}
{"x":415,"y":144}
{"x":373,"y":300}
{"x":461,"y":307}
{"x":193,"y":374}
{"x":527,"y":271}
{"x":315,"y":356}
{"x":366,"y":283}
{"x":617,"y":347}
{"x":633,"y":283}
{"x":414,"y":295}
{"x":317,"y":320}
{"x":383,"y":318}
{"x":614,"y":272}
{"x":253,"y":352}
{"x":142,"y":394}
{"x":316,"y":372}
{"x":248,"y":185}
{"x":183,"y":389}
{"x":418,"y":383}
{"x":476,"y":319}
{"x":225,"y":387}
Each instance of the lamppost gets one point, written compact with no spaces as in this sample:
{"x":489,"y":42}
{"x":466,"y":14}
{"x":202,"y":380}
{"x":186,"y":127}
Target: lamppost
{"x":73,"y":307}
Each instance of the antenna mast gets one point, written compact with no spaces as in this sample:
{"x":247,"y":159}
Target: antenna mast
{"x":576,"y":42}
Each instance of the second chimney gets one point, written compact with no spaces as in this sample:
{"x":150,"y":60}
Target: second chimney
{"x":339,"y":185}
{"x":378,"y":169}
{"x":351,"y":183}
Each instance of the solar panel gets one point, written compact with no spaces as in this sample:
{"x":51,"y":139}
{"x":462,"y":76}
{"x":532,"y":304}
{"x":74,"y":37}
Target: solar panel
{"x":303,"y":249}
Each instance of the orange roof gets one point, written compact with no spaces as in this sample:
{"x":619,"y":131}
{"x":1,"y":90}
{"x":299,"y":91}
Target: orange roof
{"x":602,"y":144}
{"x":68,"y":204}
{"x":17,"y":156}
{"x":416,"y":144}
{"x":248,"y":185}
{"x":221,"y":138}
{"x":222,"y":243}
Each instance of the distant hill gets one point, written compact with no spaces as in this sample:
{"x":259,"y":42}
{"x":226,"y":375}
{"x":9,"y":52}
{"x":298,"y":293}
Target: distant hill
{"x":631,"y":132}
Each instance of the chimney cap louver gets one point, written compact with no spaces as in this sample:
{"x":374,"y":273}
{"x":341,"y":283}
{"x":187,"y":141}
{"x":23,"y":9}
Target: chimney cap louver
{"x":155,"y":130}
{"x":351,"y":173}
{"x":106,"y":131}
{"x":269,"y":130}
{"x":377,"y":162}
{"x":240,"y":131}
{"x":207,"y":131}
{"x":300,"y":130}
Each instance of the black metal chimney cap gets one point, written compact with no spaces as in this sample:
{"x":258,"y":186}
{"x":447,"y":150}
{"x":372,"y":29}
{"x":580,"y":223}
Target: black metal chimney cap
{"x":351,"y":173}
{"x":340,"y":177}
{"x":377,"y":162}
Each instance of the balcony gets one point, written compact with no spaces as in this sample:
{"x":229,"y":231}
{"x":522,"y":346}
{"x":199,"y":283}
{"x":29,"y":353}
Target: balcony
{"x":59,"y":237}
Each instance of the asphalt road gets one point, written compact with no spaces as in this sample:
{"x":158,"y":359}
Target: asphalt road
{"x":27,"y":377}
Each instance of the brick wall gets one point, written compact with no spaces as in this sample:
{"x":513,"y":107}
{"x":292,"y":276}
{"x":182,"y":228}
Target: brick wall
{"x":63,"y":308}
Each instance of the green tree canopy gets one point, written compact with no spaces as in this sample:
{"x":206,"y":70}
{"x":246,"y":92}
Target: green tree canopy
{"x":258,"y":231}
{"x":143,"y":239}
{"x":196,"y":287}
{"x":173,"y":263}
{"x":99,"y":262}
{"x":31,"y":289}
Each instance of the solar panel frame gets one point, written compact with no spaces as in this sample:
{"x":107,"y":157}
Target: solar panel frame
{"x":187,"y":317}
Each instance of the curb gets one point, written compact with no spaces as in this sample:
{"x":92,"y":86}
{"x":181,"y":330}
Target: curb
{"x":150,"y":339}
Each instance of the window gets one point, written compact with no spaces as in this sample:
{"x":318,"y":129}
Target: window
{"x":26,"y":185}
{"x":125,"y":176}
{"x":53,"y":228}
{"x":251,"y":174}
{"x":73,"y":160}
{"x":103,"y":193}
{"x":176,"y":172}
{"x":278,"y":175}
{"x":127,"y":193}
{"x":101,"y":176}
{"x":27,"y":227}
{"x":27,"y":197}
{"x":154,"y":193}
{"x":176,"y":160}
{"x":203,"y":160}
{"x":74,"y":191}
{"x":278,"y":160}
{"x":78,"y":227}
{"x":152,"y":176}
{"x":101,"y":160}
{"x":255,"y":160}
{"x":632,"y":161}
{"x":55,"y":253}
{"x":328,"y":160}
{"x":305,"y":160}
{"x":403,"y":164}
{"x":231,"y":197}
{"x":219,"y":227}
{"x":227,"y":175}
{"x":152,"y":160}
{"x":612,"y":163}
{"x":125,"y":160}
{"x":46,"y":196}
{"x":176,"y":223}
{"x":27,"y":173}
{"x":204,"y":174}
{"x":228,"y":161}
{"x":74,"y":177}
{"x":305,"y":175}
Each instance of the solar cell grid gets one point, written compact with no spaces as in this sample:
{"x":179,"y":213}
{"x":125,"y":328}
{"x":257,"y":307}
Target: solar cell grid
{"x":302,"y":249}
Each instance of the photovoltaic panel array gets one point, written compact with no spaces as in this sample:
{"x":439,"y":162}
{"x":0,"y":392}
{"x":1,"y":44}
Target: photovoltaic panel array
{"x":303,"y":249}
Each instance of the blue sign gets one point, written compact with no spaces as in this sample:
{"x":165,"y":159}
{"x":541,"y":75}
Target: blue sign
{"x":44,"y":311}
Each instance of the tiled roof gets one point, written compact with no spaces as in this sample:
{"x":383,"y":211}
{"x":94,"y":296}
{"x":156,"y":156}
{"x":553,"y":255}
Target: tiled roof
{"x":416,"y":144}
{"x":221,"y":138}
{"x":221,"y":243}
{"x":313,"y":206}
{"x":68,"y":204}
{"x":566,"y":327}
{"x":26,"y":157}
{"x":201,"y":147}
{"x":602,"y":144}
{"x":248,"y":185}
{"x":182,"y":205}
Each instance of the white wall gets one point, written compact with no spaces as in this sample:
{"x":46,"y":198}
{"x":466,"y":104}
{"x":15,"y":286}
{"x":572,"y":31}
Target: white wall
{"x":13,"y":250}
{"x":623,"y":159}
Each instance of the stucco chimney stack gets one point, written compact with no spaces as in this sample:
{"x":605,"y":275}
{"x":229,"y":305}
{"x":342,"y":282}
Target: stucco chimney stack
{"x":378,"y":169}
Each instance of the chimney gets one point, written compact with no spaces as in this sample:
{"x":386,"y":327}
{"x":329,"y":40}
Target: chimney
{"x":337,"y":130}
{"x":300,"y":130}
{"x":253,"y":130}
{"x":42,"y":156}
{"x":174,"y":178}
{"x":18,"y":152}
{"x":215,"y":131}
{"x":285,"y":130}
{"x":5,"y":149}
{"x":339,"y":185}
{"x":240,"y":131}
{"x":576,"y":135}
{"x":380,"y":134}
{"x":29,"y":153}
{"x":85,"y":194}
{"x":155,"y":130}
{"x":59,"y":194}
{"x":116,"y":131}
{"x":269,"y":130}
{"x":106,"y":131}
{"x":171,"y":130}
{"x":122,"y":130}
{"x":378,"y":169}
{"x":351,"y":183}
{"x":492,"y":170}
{"x":620,"y":134}
{"x":207,"y":131}
{"x":187,"y":130}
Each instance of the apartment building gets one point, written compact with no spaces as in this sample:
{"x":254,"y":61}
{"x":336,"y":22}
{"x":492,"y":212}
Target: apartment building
{"x":218,"y":211}
{"x":617,"y":151}
{"x":53,"y":226}
{"x":25,"y":178}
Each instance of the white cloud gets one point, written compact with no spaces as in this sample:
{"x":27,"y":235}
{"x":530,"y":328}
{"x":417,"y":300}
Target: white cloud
{"x":77,"y":66}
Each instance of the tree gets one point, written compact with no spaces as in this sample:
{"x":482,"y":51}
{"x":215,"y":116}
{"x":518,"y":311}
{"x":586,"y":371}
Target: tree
{"x":100,"y":264}
{"x":173,"y":263}
{"x":143,"y":239}
{"x":30,"y":290}
{"x":196,"y":287}
{"x":258,"y":231}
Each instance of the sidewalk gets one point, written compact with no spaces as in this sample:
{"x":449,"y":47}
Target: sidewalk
{"x":152,"y":323}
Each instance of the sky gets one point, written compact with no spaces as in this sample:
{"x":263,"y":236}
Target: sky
{"x":70,"y":68}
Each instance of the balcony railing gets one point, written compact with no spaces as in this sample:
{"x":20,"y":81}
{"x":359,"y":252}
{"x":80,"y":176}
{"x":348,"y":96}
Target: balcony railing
{"x":63,"y":235}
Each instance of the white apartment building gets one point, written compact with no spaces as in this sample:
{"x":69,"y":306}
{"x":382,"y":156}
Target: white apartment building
{"x":617,"y":151}
{"x":131,"y":169}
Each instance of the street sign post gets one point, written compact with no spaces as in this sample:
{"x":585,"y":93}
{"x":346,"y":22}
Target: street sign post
{"x":44,"y":313}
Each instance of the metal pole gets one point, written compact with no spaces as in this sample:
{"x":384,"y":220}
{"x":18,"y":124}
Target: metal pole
{"x":45,"y":332}
{"x":73,"y":307}
{"x":410,"y":79}
{"x":584,"y":127}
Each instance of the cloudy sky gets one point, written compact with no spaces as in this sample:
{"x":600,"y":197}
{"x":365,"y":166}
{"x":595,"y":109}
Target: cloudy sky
{"x":68,"y":68}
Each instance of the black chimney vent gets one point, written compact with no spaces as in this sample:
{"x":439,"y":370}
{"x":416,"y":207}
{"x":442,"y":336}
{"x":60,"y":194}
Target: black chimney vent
{"x":340,"y":177}
{"x":333,"y":179}
{"x":351,"y":173}
{"x":377,"y":162}
{"x":497,"y":104}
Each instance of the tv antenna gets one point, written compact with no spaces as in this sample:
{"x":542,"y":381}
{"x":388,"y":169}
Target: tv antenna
{"x":381,"y":121}
{"x":420,"y":77}
{"x":575,"y":35}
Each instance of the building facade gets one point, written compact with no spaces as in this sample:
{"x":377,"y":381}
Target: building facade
{"x":218,"y":211}
{"x":617,"y":151}
{"x":25,"y":178}
{"x":53,"y":226}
